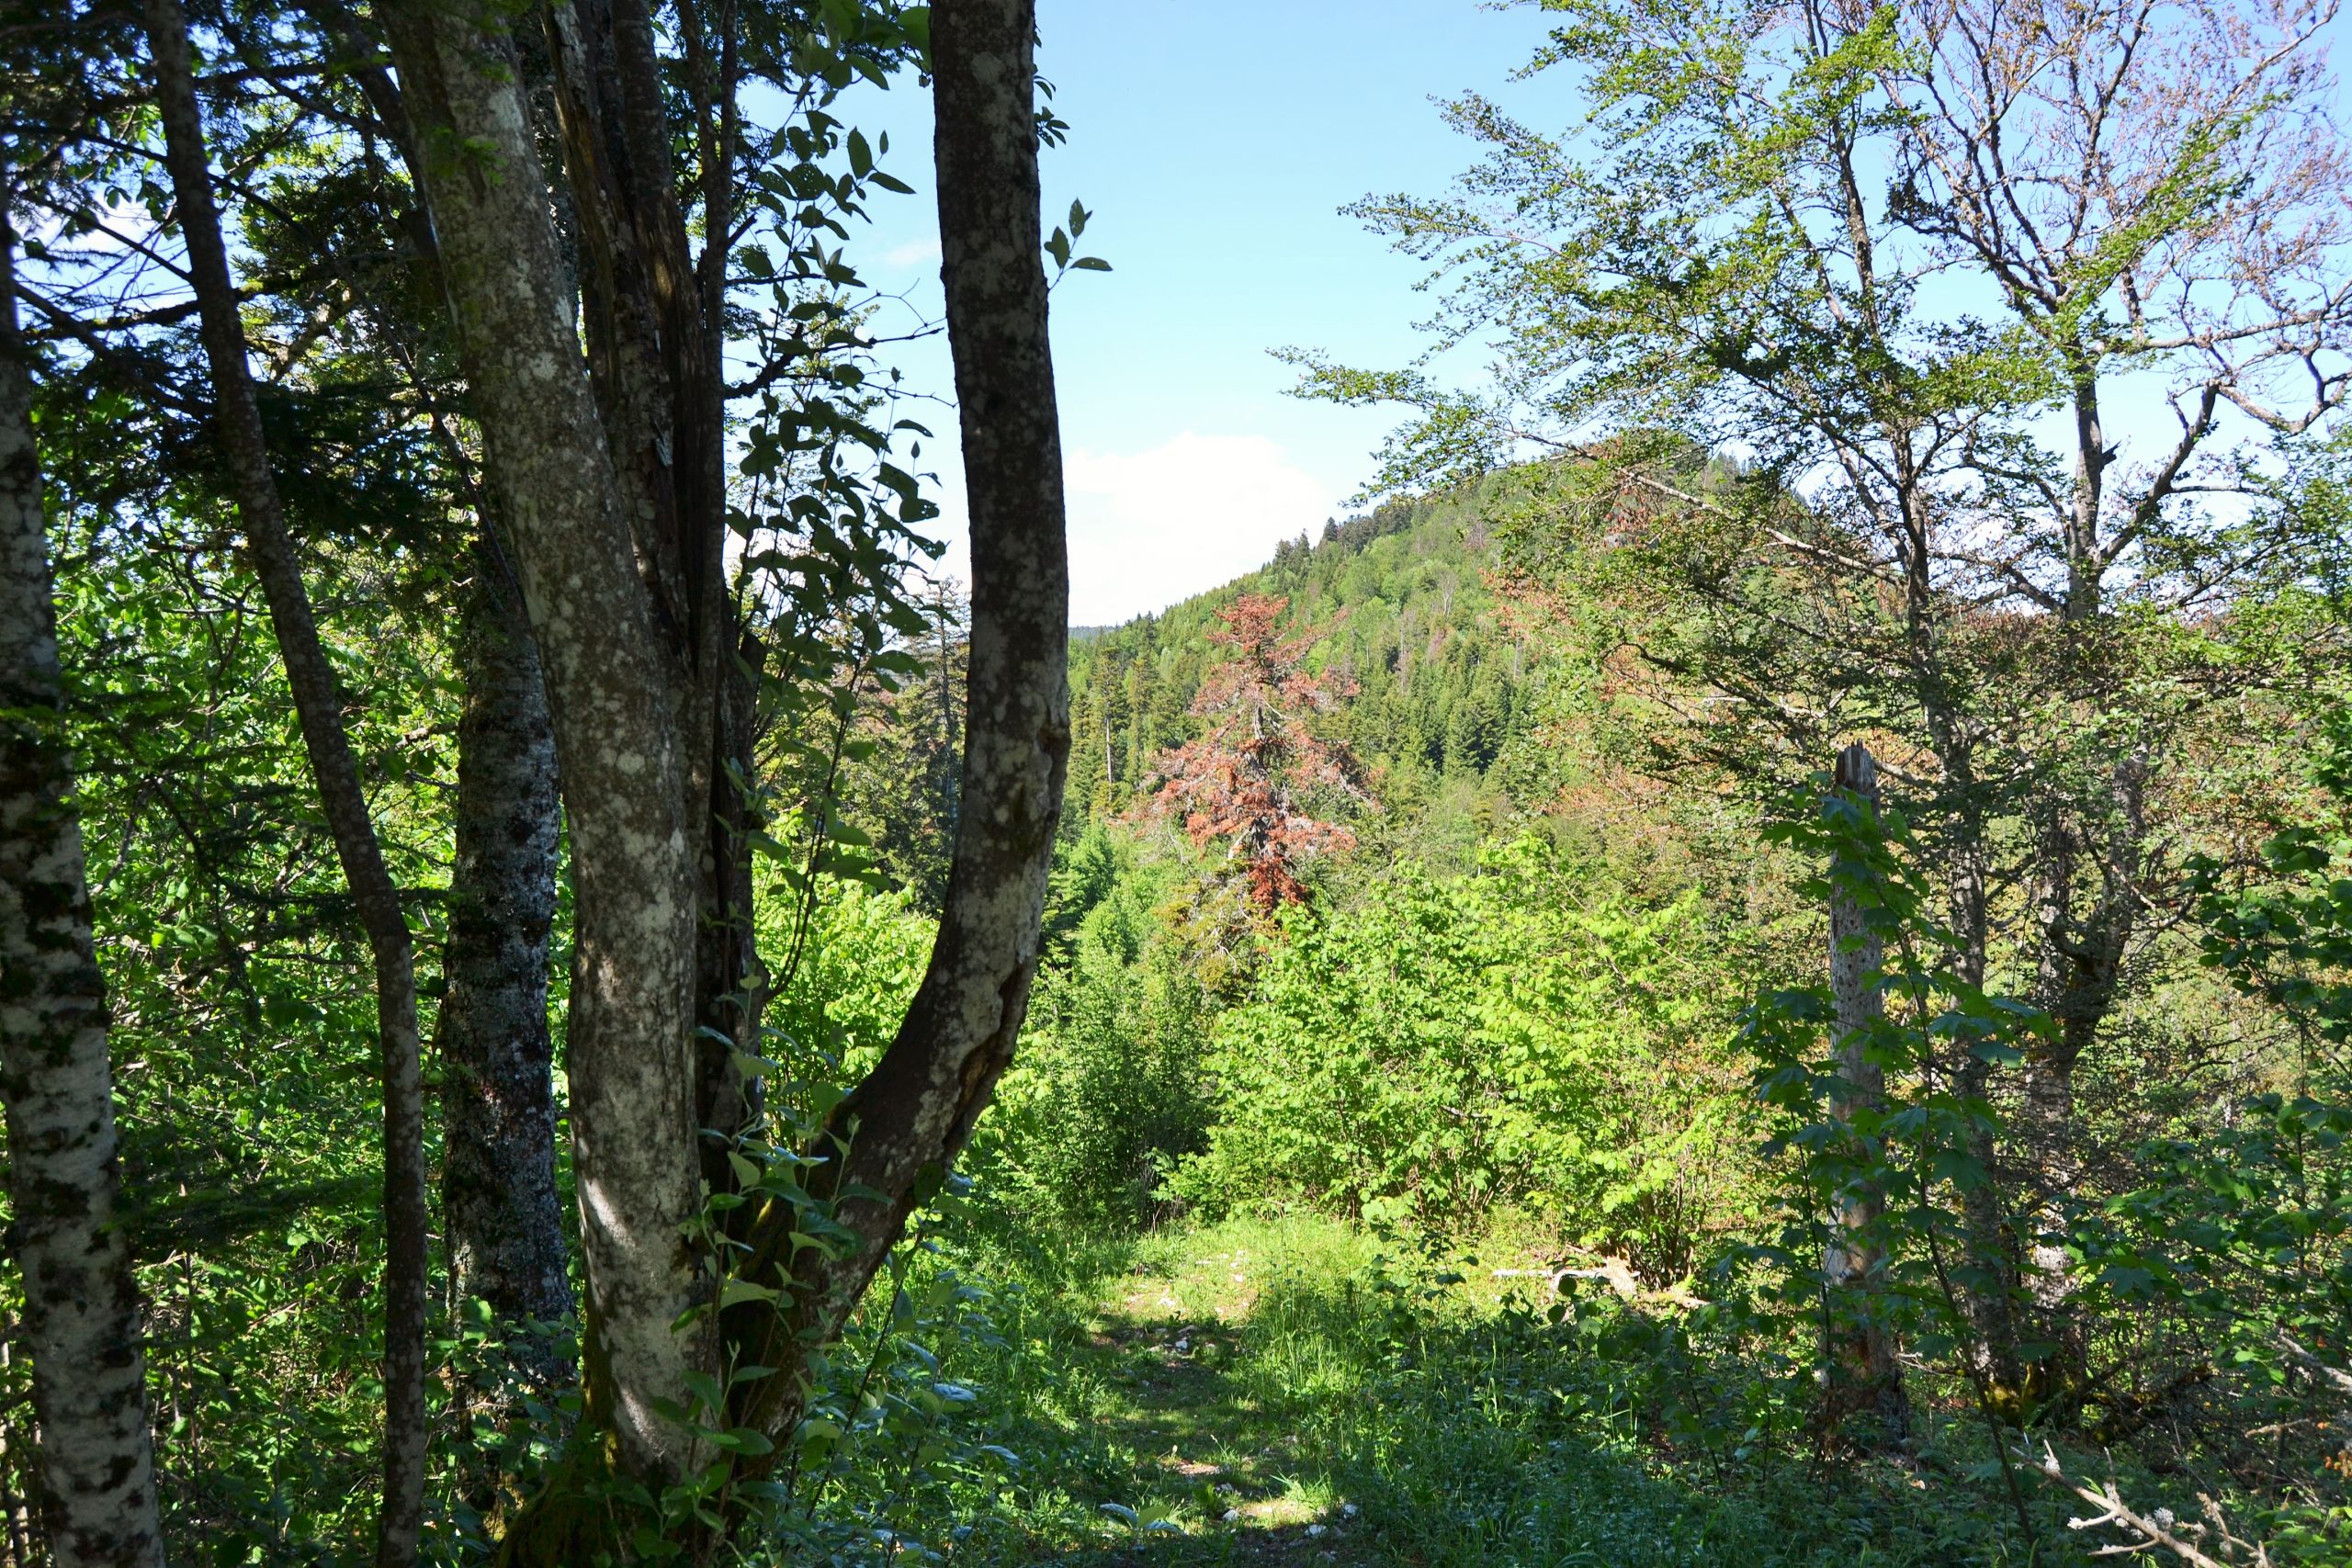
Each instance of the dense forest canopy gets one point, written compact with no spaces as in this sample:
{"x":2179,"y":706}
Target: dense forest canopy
{"x":1749,"y":961}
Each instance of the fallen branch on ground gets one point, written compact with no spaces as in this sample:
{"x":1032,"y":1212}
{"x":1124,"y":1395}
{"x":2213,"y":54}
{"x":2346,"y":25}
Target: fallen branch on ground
{"x":2183,"y":1538}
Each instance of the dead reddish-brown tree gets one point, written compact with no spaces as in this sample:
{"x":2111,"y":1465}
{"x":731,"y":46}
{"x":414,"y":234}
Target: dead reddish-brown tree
{"x":1244,"y":779}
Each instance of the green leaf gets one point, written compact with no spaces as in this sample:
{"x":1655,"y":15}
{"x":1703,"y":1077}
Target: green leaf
{"x":705,"y":1388}
{"x":744,"y":1440}
{"x":736,"y":1290}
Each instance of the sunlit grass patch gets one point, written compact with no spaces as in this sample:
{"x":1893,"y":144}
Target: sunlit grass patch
{"x":1293,"y":1391}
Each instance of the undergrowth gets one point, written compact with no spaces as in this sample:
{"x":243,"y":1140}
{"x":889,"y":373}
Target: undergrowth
{"x":1296,"y":1390}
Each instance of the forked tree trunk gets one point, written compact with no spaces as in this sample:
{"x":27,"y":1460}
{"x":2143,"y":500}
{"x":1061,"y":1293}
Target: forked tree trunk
{"x":319,"y":706}
{"x":914,"y":1112}
{"x":1864,"y":1375}
{"x":622,"y":721}
{"x":96,"y":1460}
{"x":654,"y":332}
{"x":498,"y":1177}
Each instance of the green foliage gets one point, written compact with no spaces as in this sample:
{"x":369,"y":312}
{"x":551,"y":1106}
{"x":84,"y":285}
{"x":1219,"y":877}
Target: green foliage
{"x":242,"y":1028}
{"x":2238,"y":1236}
{"x":1448,"y":696}
{"x":1514,"y":1038}
{"x":838,"y":1006}
{"x":1885,"y":1175}
{"x":1109,"y":1091}
{"x":890,"y":1445}
{"x":2224,"y":1265}
{"x":1501,"y":1018}
{"x":1265,"y":1390}
{"x":2287,"y":935}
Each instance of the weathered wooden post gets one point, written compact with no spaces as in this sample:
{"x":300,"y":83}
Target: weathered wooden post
{"x":1862,"y":1370}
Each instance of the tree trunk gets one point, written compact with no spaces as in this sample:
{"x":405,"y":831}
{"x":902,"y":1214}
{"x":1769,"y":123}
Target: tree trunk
{"x":319,"y":706}
{"x":611,"y":694}
{"x":1989,"y":1285}
{"x":914,"y":1112}
{"x":731,"y":980}
{"x":96,"y":1454}
{"x":1861,"y":1353}
{"x":2081,"y":963}
{"x":498,"y":1182}
{"x":633,"y":681}
{"x":655,"y":336}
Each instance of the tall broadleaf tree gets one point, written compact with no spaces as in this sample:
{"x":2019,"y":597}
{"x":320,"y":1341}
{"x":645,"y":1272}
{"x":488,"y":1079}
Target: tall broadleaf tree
{"x":620,"y":565}
{"x":1781,"y":321}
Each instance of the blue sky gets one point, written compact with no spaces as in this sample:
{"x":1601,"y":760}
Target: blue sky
{"x":1214,"y":142}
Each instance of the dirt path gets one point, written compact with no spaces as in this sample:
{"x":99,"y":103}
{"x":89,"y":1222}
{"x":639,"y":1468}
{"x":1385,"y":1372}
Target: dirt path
{"x":1173,"y":1345}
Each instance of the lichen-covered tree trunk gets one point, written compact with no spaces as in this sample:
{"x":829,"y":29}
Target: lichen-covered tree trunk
{"x":96,"y":1454}
{"x":318,"y":705}
{"x":640,"y":728}
{"x":610,"y":687}
{"x":655,"y":339}
{"x":498,"y":1178}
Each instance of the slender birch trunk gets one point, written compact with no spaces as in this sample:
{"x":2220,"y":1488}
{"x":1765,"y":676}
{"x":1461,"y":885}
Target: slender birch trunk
{"x":319,"y":706}
{"x":95,"y":1460}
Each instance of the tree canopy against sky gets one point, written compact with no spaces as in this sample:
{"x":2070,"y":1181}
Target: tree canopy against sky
{"x":479,"y":673}
{"x":546,"y":209}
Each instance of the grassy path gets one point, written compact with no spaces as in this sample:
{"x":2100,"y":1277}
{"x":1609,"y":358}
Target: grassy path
{"x":1154,"y":1425}
{"x":1265,"y":1394}
{"x":1172,"y":1342}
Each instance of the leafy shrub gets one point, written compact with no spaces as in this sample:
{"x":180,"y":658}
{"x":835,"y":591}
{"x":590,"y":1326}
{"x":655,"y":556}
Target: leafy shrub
{"x":1452,"y":1046}
{"x":844,"y":979}
{"x":1108,"y":1089}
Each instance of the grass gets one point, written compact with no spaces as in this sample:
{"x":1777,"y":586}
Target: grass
{"x":1271,"y":1393}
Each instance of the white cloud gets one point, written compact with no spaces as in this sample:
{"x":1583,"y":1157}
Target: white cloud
{"x":914,"y":253}
{"x":1148,"y":528}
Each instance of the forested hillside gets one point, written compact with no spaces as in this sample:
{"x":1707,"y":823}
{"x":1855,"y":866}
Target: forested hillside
{"x":1753,"y":965}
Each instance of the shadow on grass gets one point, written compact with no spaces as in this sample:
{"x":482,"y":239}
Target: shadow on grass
{"x":1269,"y":1395}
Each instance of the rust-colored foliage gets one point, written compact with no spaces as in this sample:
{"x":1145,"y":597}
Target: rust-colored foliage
{"x":1242,"y":782}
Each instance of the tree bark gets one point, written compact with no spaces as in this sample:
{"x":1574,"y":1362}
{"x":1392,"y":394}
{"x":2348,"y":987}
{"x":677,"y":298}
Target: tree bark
{"x":610,"y":694}
{"x":96,"y":1453}
{"x":1861,"y":1353}
{"x":634,"y":676}
{"x":732,"y":979}
{"x":319,"y":706}
{"x":914,"y":1112}
{"x":2081,"y":965}
{"x":1989,"y":1287}
{"x":498,"y":1178}
{"x":655,"y":336}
